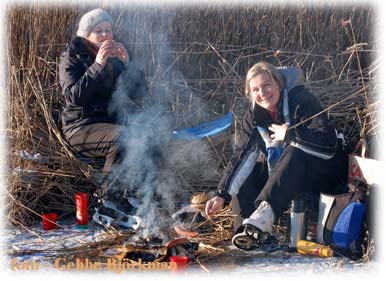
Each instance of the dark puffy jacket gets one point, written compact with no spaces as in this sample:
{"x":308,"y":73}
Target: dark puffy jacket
{"x":316,"y":136}
{"x":87,"y":88}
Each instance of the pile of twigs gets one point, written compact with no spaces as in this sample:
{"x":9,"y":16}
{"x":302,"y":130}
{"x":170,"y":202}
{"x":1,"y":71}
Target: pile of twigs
{"x":203,"y":76}
{"x":98,"y":245}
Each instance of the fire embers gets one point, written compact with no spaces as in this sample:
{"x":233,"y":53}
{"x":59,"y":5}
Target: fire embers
{"x":189,"y":217}
{"x":145,"y":253}
{"x":158,"y":253}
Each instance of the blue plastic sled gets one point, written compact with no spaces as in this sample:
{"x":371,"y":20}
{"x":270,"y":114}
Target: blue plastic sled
{"x":205,"y":129}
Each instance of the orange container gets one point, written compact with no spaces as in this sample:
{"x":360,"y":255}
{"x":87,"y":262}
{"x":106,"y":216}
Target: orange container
{"x":49,"y":221}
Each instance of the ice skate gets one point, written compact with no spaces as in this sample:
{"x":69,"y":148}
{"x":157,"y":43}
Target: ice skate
{"x":251,"y":238}
{"x":256,"y":230}
{"x":108,"y":215}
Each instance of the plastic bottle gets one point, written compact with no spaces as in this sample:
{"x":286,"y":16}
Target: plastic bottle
{"x":298,"y":225}
{"x":81,"y":209}
{"x":311,"y":248}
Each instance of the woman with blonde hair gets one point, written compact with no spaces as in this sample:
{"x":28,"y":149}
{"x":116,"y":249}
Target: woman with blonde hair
{"x":287,"y":146}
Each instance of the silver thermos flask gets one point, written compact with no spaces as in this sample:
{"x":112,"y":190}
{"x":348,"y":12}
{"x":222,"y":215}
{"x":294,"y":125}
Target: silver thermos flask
{"x":298,"y":225}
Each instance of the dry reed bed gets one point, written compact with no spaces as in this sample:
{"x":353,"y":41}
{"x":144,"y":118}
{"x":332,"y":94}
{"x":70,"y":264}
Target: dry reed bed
{"x":199,"y":56}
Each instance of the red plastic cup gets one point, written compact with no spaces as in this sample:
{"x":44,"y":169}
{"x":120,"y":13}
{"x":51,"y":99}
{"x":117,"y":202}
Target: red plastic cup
{"x":49,"y":221}
{"x":181,"y":262}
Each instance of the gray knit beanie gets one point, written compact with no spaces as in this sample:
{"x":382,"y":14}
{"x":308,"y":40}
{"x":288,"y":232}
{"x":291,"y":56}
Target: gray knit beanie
{"x":90,"y":19}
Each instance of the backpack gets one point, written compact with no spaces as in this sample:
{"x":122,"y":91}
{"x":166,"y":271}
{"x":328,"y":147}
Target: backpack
{"x":343,"y":220}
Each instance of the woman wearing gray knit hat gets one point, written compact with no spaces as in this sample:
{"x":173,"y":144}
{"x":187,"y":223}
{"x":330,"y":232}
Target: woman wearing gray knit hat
{"x":88,"y":72}
{"x":97,"y":27}
{"x":90,"y":20}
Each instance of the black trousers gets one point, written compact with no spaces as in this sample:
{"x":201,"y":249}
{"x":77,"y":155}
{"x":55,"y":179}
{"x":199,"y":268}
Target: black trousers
{"x":99,"y":141}
{"x":296,"y":172}
{"x":104,"y":140}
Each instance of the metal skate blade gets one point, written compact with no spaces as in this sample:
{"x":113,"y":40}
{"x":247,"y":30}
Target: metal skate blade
{"x":102,"y":220}
{"x":129,"y":222}
{"x":244,"y":242}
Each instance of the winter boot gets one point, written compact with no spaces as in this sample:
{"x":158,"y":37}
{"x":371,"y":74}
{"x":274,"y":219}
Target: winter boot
{"x":256,"y":230}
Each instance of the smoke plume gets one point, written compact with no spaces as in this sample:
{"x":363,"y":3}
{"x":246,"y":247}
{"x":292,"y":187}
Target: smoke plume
{"x":152,"y":164}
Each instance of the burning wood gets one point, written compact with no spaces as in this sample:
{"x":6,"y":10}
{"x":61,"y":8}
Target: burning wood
{"x":157,"y":253}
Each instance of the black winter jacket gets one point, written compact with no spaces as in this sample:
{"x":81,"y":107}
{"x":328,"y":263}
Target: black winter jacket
{"x":87,"y":87}
{"x":316,"y":136}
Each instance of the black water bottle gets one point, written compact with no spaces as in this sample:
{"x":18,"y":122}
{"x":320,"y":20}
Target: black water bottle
{"x":298,"y":226}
